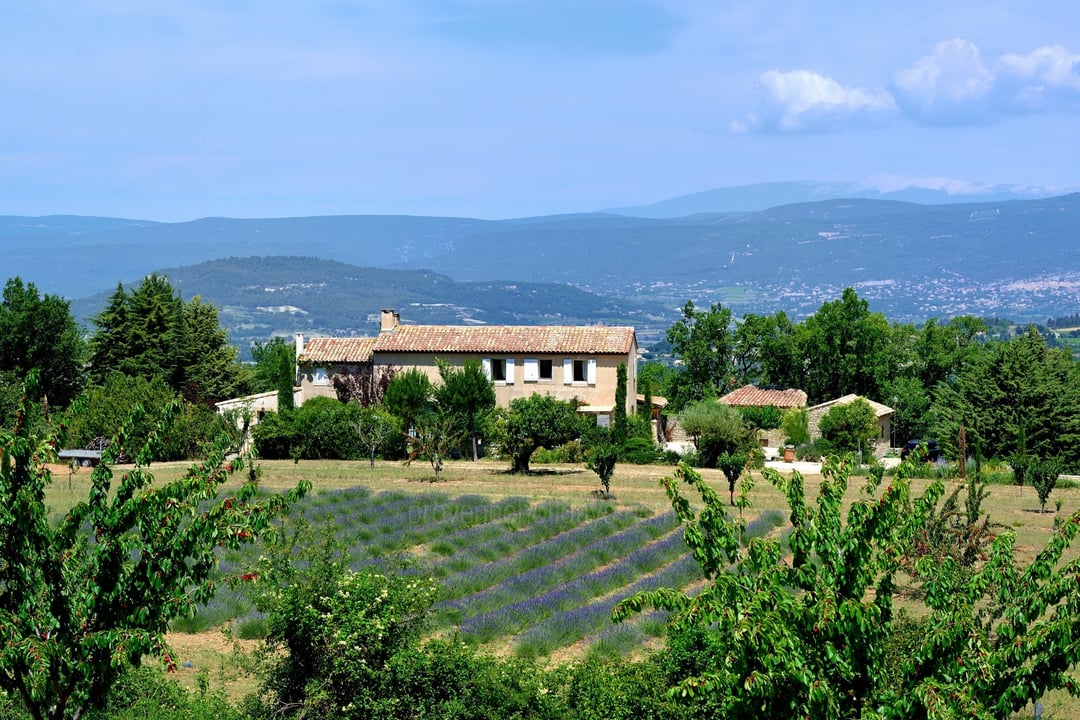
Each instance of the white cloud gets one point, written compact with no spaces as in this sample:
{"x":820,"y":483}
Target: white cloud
{"x":1047,"y":78}
{"x":949,"y":86}
{"x":804,"y":101}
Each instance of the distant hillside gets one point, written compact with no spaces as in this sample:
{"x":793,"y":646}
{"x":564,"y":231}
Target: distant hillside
{"x":1011,"y":258}
{"x":761,"y":196}
{"x":264,"y":296}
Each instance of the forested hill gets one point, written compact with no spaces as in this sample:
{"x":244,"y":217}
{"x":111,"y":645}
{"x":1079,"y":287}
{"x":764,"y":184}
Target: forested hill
{"x":1012,"y":258}
{"x":260,"y":296}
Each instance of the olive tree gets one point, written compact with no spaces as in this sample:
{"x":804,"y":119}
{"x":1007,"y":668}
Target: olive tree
{"x":84,"y":599}
{"x":534,"y":422}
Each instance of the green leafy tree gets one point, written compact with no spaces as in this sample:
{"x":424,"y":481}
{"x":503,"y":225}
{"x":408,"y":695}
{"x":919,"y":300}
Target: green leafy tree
{"x":436,"y":437}
{"x":766,"y":352}
{"x":104,"y":408}
{"x":603,"y":453}
{"x":408,"y":396}
{"x":468,"y":394}
{"x":39,"y":332}
{"x":850,"y":427}
{"x":811,"y":634}
{"x":534,"y":422}
{"x":911,"y":403}
{"x":618,"y":419}
{"x":845,"y":349}
{"x":732,"y":465}
{"x":84,"y":600}
{"x":657,"y":377}
{"x":942,"y":350}
{"x":702,"y":339}
{"x":375,"y":426}
{"x":645,"y":409}
{"x":716,"y":429}
{"x":1044,"y":476}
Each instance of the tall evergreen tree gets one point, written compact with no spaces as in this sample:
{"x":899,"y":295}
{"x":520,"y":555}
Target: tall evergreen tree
{"x":207,"y":366}
{"x":108,"y":345}
{"x":618,"y":429}
{"x":154,"y":324}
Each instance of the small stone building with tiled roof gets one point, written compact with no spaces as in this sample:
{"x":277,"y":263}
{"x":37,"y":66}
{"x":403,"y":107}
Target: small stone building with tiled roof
{"x":753,"y":396}
{"x":884,"y":417}
{"x":564,"y":361}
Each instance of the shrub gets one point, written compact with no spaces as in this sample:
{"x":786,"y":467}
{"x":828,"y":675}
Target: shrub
{"x":322,"y":428}
{"x":639,"y":451}
{"x":796,"y":425}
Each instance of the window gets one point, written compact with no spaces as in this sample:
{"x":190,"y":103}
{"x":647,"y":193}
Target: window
{"x":580,"y":370}
{"x":499,"y":370}
{"x":537,"y":370}
{"x":320,"y":377}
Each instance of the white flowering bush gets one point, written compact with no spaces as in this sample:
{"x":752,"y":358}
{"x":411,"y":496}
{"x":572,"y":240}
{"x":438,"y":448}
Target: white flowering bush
{"x":332,"y":636}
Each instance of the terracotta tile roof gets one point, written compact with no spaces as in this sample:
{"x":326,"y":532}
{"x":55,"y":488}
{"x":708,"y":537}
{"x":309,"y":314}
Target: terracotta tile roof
{"x":753,"y":396}
{"x":539,"y":339}
{"x":337,"y":350}
{"x":879,"y":409}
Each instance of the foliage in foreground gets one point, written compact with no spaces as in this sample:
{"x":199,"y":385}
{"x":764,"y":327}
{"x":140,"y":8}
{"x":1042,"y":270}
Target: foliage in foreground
{"x":84,"y":600}
{"x":814,"y":635}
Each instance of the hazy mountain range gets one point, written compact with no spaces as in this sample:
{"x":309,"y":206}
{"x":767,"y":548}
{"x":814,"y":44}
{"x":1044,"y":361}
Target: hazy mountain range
{"x":1016,"y":258}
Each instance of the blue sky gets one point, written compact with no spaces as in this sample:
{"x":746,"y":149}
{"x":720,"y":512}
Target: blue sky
{"x":173,"y":110}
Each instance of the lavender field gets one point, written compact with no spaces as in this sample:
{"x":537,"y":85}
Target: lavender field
{"x":533,"y":578}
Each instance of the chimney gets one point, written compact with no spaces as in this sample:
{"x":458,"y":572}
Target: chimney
{"x":299,"y":344}
{"x":389,"y":320}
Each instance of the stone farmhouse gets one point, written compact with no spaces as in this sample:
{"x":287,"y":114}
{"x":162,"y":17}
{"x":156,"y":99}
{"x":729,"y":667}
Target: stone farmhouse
{"x":566,"y":362}
{"x":884,"y":415}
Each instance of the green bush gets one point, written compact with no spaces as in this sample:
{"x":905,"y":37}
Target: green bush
{"x":639,"y":451}
{"x":322,"y":428}
{"x":147,"y":693}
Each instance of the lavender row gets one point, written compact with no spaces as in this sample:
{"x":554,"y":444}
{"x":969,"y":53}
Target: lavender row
{"x":488,"y":545}
{"x":562,"y":586}
{"x":545,"y":564}
{"x":437,"y":522}
{"x":591,"y":618}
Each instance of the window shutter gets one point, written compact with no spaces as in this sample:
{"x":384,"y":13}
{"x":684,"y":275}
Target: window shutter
{"x":592,"y":371}
{"x":568,"y":371}
{"x":485,"y":365}
{"x":509,"y":371}
{"x":531,"y":369}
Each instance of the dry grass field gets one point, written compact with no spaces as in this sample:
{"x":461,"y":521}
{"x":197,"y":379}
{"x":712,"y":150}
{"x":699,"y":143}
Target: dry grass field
{"x":632,"y":486}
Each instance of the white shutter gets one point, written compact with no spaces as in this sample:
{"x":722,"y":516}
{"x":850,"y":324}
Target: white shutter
{"x":485,"y":364}
{"x":592,"y":371}
{"x":568,"y":371}
{"x":531,"y":370}
{"x":509,"y":371}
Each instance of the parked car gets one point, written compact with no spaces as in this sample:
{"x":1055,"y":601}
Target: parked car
{"x":933,"y":452}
